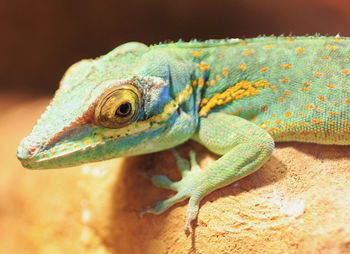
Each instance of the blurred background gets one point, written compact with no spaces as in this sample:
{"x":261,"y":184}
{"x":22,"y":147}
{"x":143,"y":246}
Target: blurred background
{"x":40,"y":39}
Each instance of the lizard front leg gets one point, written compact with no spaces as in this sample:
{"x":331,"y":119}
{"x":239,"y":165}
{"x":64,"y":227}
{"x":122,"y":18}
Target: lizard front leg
{"x":245,"y":148}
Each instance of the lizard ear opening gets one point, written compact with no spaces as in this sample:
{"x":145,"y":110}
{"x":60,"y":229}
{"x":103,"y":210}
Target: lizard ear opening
{"x":118,"y":106}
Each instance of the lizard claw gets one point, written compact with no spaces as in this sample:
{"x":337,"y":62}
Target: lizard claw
{"x":190,"y":186}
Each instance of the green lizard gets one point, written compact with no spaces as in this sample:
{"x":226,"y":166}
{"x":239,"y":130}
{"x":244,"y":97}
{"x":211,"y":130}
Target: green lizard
{"x":235,"y":97}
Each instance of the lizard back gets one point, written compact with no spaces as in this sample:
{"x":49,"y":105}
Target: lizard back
{"x":298,"y":89}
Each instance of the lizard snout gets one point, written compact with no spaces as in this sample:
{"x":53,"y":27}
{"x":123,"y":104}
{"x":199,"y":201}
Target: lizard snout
{"x":26,"y":150}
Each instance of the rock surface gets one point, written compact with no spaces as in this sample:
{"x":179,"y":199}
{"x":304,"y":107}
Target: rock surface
{"x":298,"y":202}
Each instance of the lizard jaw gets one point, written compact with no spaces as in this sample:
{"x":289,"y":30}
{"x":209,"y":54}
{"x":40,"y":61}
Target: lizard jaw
{"x":84,"y":144}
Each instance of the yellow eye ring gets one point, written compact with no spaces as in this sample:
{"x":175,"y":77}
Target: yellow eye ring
{"x":118,"y":107}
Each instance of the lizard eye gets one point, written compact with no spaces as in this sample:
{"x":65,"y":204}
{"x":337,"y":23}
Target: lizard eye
{"x":118,"y":107}
{"x":123,"y":110}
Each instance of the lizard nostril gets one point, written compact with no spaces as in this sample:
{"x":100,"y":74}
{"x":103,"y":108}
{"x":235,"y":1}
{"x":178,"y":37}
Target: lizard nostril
{"x":26,"y":149}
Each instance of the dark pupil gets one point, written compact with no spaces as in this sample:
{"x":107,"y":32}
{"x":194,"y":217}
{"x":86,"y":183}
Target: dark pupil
{"x":123,"y":110}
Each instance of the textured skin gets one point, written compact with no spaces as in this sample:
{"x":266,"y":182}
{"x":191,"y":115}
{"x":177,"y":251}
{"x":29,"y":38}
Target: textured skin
{"x":236,"y":97}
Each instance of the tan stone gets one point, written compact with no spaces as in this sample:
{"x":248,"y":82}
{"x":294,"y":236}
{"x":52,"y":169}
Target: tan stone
{"x":298,"y":202}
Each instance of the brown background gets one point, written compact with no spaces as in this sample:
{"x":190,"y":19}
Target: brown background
{"x":40,"y":39}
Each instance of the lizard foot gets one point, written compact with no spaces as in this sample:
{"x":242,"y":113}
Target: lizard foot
{"x":190,"y":186}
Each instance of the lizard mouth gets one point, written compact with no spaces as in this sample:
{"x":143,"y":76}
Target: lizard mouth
{"x":38,"y":152}
{"x":79,"y":145}
{"x":85,"y":144}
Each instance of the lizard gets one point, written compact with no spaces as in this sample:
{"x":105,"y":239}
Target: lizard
{"x":236,"y":97}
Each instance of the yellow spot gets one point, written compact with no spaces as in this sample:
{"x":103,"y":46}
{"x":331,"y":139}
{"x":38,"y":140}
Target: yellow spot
{"x":288,"y":114}
{"x":309,"y":107}
{"x":203,"y":102}
{"x":286,"y":126}
{"x":261,"y":83}
{"x":274,"y":88}
{"x":224,"y":47}
{"x":307,"y":83}
{"x":300,"y":50}
{"x":332,"y":47}
{"x":316,"y":121}
{"x":200,"y":82}
{"x":203,"y":66}
{"x":263,"y":108}
{"x":301,"y":114}
{"x":249,"y":107}
{"x":326,"y":57}
{"x":287,"y":93}
{"x":347,"y":123}
{"x":331,"y":86}
{"x":268,"y":47}
{"x":345,"y":71}
{"x":331,"y":122}
{"x":196,"y":53}
{"x":304,"y":89}
{"x":237,"y":111}
{"x":217,"y":77}
{"x":321,"y":98}
{"x":337,"y":39}
{"x":287,"y":65}
{"x":225,"y":71}
{"x":222,"y":55}
{"x":318,"y":74}
{"x":348,"y":57}
{"x":347,"y":101}
{"x":248,"y":52}
{"x":206,"y":83}
{"x":293,"y":125}
{"x":319,"y":109}
{"x":213,"y":82}
{"x":290,"y":39}
{"x":265,"y":124}
{"x":284,"y":80}
{"x":278,"y":122}
{"x":331,"y":113}
{"x":281,"y":99}
{"x":254,"y":119}
{"x":273,"y":115}
{"x":243,"y":43}
{"x":194,"y":83}
{"x":264,"y":69}
{"x":242,"y":67}
{"x":239,"y":90}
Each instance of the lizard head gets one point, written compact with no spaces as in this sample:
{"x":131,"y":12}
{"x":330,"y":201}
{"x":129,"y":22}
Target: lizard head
{"x":118,"y":105}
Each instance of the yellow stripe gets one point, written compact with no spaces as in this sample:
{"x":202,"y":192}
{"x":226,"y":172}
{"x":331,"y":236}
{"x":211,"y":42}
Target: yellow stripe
{"x":241,"y":89}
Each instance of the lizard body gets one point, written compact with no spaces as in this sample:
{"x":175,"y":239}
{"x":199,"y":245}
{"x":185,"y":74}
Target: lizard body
{"x":235,"y":97}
